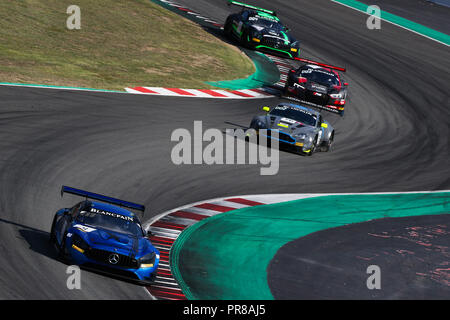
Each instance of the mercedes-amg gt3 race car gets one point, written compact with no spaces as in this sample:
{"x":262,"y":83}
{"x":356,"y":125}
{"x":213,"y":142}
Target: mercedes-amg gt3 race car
{"x":262,"y":30}
{"x":105,"y":237}
{"x":317,"y":86}
{"x":300,"y":129}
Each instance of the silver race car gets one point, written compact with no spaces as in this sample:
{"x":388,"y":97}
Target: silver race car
{"x":301,"y":129}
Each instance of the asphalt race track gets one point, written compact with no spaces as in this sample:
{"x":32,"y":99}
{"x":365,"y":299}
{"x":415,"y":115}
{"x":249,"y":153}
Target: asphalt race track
{"x":412,"y":254}
{"x":394,"y":137}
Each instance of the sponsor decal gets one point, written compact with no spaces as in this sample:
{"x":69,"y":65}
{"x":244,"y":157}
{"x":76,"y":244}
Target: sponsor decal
{"x":112,"y":214}
{"x":315,"y":86}
{"x":288,"y":120}
{"x":84,"y":228}
{"x":318,"y":69}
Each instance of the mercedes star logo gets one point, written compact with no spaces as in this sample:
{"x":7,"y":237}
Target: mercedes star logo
{"x":114,"y":258}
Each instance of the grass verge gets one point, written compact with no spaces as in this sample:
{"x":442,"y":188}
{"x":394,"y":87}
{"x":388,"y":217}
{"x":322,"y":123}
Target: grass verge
{"x":120,"y":44}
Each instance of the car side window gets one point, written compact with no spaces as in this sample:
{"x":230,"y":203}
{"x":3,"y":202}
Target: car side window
{"x":244,"y":15}
{"x":75,"y":210}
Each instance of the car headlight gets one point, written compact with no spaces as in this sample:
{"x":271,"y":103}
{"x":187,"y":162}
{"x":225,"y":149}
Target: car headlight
{"x":148,"y":261}
{"x":260,"y":124}
{"x":79,"y":244}
{"x":337,"y":95}
{"x":258,"y":28}
{"x":256,"y":36}
{"x":301,"y":136}
{"x":308,"y":140}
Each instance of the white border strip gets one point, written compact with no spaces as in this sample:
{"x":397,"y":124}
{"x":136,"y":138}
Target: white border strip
{"x":275,"y":198}
{"x":395,"y":24}
{"x":159,"y":91}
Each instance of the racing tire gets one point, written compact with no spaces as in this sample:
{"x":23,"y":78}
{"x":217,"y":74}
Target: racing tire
{"x":61,"y":250}
{"x":328,"y":144}
{"x":256,"y":128}
{"x":227,"y":29}
{"x":52,"y":238}
{"x":313,"y":147}
{"x":244,"y":41}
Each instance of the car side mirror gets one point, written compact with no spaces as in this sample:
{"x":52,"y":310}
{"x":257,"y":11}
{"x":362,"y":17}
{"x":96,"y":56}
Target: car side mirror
{"x":266,"y":109}
{"x":324,"y":125}
{"x":346,"y":84}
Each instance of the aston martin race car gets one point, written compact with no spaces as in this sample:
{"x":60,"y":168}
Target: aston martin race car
{"x":104,"y":236}
{"x":300,"y":129}
{"x":317,"y":86}
{"x":260,"y":29}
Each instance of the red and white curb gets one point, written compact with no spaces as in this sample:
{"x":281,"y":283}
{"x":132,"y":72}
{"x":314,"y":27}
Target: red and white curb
{"x":167,"y":227}
{"x":194,"y":14}
{"x":201,"y":93}
{"x":283,"y":65}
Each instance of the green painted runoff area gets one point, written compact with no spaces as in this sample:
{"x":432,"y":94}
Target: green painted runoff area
{"x":431,"y":33}
{"x":266,"y":74}
{"x":226,"y":256}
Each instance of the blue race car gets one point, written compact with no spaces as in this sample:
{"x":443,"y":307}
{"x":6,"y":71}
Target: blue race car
{"x":105,"y":237}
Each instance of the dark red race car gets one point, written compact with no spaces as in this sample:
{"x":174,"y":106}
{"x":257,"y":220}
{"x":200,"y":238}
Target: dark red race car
{"x":317,"y":86}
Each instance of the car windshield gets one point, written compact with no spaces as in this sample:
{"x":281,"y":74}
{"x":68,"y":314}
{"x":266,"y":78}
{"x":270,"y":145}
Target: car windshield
{"x":320,"y":76}
{"x":111,"y":221}
{"x":266,"y":23}
{"x":299,"y":115}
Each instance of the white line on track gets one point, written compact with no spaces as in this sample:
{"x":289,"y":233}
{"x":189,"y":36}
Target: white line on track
{"x":395,"y":24}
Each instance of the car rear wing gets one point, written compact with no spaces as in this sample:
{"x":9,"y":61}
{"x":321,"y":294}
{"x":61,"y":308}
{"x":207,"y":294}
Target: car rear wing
{"x":248,"y":6}
{"x":99,"y":197}
{"x":320,"y":64}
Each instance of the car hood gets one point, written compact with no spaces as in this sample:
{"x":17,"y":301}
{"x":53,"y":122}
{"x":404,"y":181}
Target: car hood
{"x":107,"y":239}
{"x":289,"y":126}
{"x":318,"y":87}
{"x":273,"y":33}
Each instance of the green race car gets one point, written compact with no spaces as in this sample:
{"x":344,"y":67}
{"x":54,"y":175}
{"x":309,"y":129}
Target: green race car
{"x":262,"y":30}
